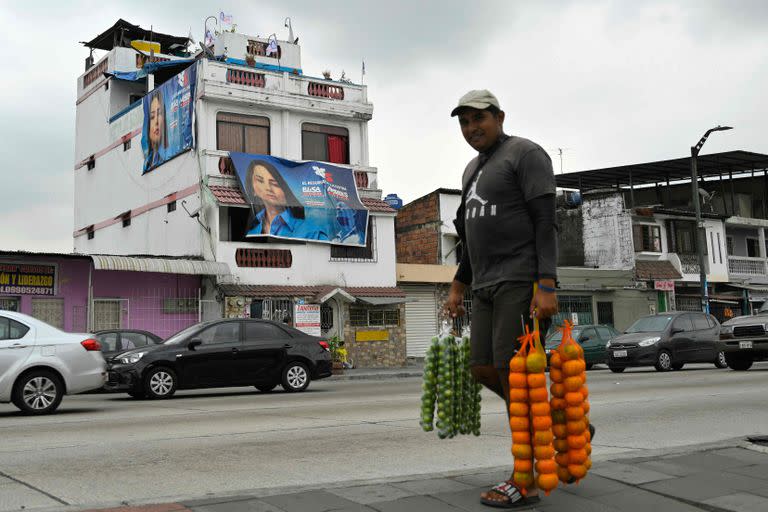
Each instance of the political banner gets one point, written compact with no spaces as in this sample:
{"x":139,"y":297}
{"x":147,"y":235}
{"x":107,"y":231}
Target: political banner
{"x":27,"y":279}
{"x":168,"y":109}
{"x":312,"y":201}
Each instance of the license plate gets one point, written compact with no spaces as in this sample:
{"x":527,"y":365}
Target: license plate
{"x":619,"y":353}
{"x":745,"y":344}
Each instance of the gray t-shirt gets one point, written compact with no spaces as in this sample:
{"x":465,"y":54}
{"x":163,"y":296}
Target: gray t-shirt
{"x":500,"y":236}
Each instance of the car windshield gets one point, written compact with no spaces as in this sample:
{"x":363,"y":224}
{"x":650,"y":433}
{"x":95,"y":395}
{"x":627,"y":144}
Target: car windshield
{"x":182,"y":334}
{"x":651,"y":324}
{"x":556,"y":337}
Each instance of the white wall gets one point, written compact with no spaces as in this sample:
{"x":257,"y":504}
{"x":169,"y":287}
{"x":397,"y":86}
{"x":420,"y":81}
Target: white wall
{"x":312,"y":263}
{"x":235,"y":46}
{"x":607,"y":232}
{"x":449,"y":203}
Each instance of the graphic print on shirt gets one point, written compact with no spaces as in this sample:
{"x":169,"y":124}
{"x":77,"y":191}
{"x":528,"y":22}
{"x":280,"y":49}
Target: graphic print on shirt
{"x":482,"y":208}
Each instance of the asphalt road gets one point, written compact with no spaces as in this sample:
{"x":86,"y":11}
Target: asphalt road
{"x":108,"y":448}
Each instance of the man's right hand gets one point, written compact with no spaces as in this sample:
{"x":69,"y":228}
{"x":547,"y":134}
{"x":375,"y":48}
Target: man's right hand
{"x":454,"y":306}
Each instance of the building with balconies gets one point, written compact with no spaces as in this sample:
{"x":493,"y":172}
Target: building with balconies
{"x":249,"y":100}
{"x":642,"y":216}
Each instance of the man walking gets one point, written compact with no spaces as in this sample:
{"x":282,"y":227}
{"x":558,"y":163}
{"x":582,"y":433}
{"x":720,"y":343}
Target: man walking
{"x":506,"y":223}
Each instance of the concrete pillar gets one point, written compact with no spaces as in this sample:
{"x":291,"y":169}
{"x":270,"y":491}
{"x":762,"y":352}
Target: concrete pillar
{"x":761,"y":237}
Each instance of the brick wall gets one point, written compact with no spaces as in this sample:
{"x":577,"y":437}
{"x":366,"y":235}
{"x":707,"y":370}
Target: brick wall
{"x":376,"y":354}
{"x":417,"y":231}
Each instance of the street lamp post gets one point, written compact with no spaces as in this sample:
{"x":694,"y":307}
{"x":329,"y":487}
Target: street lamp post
{"x":701,"y":238}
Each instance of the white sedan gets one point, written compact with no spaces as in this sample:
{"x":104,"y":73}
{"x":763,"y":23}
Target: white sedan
{"x":39,"y":364}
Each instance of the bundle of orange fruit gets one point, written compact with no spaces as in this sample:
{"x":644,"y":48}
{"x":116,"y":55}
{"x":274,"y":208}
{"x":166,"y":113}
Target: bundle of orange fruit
{"x":570,"y":409}
{"x":529,"y":417}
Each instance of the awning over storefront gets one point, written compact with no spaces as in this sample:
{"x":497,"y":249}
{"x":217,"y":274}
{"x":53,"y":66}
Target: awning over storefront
{"x":382,"y":301}
{"x":161,"y":265}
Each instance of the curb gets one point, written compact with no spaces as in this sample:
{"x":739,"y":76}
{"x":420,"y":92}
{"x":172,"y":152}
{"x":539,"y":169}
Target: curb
{"x":378,"y":376}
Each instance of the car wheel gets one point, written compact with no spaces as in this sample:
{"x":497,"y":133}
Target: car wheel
{"x":266,"y":389}
{"x":739,"y":363}
{"x":678,"y":366}
{"x":160,"y":383}
{"x":720,"y":362}
{"x":663,"y":361}
{"x":38,"y":392}
{"x":617,"y":369}
{"x":295,"y":377}
{"x":137,"y":394}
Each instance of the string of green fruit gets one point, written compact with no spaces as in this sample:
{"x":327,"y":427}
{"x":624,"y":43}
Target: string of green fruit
{"x":449,"y":391}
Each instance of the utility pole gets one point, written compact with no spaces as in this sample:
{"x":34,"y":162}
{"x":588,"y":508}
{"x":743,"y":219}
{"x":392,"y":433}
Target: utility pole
{"x":701,"y":238}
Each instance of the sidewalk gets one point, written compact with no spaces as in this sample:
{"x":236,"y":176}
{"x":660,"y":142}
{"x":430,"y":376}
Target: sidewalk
{"x":412,"y":370}
{"x":725,"y":478}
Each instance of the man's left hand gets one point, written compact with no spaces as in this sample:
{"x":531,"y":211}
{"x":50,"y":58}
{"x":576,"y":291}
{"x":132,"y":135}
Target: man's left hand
{"x":543,"y":305}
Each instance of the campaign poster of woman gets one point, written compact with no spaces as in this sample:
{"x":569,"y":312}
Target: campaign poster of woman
{"x":310,"y":201}
{"x":168,"y":112}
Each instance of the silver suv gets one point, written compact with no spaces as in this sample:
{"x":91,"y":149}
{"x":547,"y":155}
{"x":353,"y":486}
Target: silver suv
{"x":39,"y":364}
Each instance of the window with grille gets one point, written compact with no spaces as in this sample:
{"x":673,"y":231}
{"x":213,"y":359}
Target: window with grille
{"x":729,"y":245}
{"x":580,"y":305}
{"x":326,"y":318}
{"x":647,"y":238}
{"x":460,"y":322}
{"x":367,"y":253}
{"x":361,"y":317}
{"x":324,"y":143}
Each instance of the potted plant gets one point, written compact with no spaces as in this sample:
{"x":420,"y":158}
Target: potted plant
{"x":250,"y":59}
{"x":338,"y":354}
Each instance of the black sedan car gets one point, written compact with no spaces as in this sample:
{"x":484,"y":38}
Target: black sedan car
{"x":667,"y":341}
{"x":115,"y":341}
{"x":221,"y":353}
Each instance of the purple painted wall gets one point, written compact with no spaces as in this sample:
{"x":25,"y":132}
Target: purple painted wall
{"x":147,"y":301}
{"x":71,"y":285}
{"x":146,"y":298}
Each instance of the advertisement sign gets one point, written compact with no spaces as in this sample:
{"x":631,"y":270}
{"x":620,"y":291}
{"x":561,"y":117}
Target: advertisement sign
{"x":310,"y":201}
{"x":27,"y":279}
{"x":168,"y":109}
{"x":664,"y":286}
{"x":306,"y":318}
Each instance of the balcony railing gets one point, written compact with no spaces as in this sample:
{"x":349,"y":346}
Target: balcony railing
{"x":689,"y":263}
{"x":334,"y":92}
{"x":242,"y":77}
{"x":743,"y":266}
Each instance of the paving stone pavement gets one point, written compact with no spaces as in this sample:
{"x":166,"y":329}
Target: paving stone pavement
{"x":715,"y":480}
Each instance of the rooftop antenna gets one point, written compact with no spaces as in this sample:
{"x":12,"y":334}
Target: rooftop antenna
{"x":560,"y":152}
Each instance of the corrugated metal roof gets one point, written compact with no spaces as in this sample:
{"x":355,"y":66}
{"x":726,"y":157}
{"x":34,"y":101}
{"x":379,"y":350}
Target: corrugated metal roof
{"x":647,"y":270}
{"x":162,"y":265}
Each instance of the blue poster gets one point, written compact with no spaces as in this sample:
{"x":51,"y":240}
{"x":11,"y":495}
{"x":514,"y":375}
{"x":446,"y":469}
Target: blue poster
{"x":312,"y":201}
{"x":168,"y":109}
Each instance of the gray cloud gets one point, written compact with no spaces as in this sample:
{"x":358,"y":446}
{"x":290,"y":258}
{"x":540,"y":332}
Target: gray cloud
{"x":612,"y":82}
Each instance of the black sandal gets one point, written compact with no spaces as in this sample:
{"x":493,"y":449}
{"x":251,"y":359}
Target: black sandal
{"x":514,"y":498}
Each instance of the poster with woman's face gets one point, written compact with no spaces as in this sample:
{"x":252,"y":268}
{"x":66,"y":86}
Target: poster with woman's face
{"x":312,"y":201}
{"x":168,"y":110}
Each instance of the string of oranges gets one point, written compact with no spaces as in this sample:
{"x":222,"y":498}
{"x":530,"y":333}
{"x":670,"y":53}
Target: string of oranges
{"x":570,"y":409}
{"x":529,"y":417}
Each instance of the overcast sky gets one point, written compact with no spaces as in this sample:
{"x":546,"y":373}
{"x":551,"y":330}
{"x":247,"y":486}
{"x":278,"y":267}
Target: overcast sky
{"x":610,"y":82}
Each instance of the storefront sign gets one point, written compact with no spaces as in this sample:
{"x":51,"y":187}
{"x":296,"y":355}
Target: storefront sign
{"x":27,"y":279}
{"x":664,"y":286}
{"x":306,"y":318}
{"x":382,"y":335}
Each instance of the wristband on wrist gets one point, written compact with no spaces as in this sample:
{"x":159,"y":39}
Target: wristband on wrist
{"x":546,"y":289}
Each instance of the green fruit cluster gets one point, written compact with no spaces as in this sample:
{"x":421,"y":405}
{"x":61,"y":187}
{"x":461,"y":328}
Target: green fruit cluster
{"x":449,"y":390}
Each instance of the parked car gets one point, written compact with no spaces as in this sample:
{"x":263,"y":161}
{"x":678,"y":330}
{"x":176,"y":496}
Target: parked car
{"x":592,"y":338}
{"x":221,"y":353}
{"x":39,"y":364}
{"x":115,"y":341}
{"x":667,"y":341}
{"x":744,"y":340}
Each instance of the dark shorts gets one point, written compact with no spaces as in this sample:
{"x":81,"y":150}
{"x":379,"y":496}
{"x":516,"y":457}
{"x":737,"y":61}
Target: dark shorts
{"x":499,"y":313}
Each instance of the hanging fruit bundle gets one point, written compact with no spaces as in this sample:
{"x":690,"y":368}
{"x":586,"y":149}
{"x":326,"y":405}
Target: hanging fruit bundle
{"x":449,"y":390}
{"x":570,"y":409}
{"x":529,"y":417}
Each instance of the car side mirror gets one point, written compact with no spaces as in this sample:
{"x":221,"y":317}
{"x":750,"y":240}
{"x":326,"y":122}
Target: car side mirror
{"x":193,"y":344}
{"x":582,"y":339}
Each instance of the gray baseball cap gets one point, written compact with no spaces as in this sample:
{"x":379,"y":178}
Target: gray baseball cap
{"x":479,"y":99}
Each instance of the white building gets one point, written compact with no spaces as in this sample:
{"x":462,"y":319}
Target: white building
{"x":191,"y":206}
